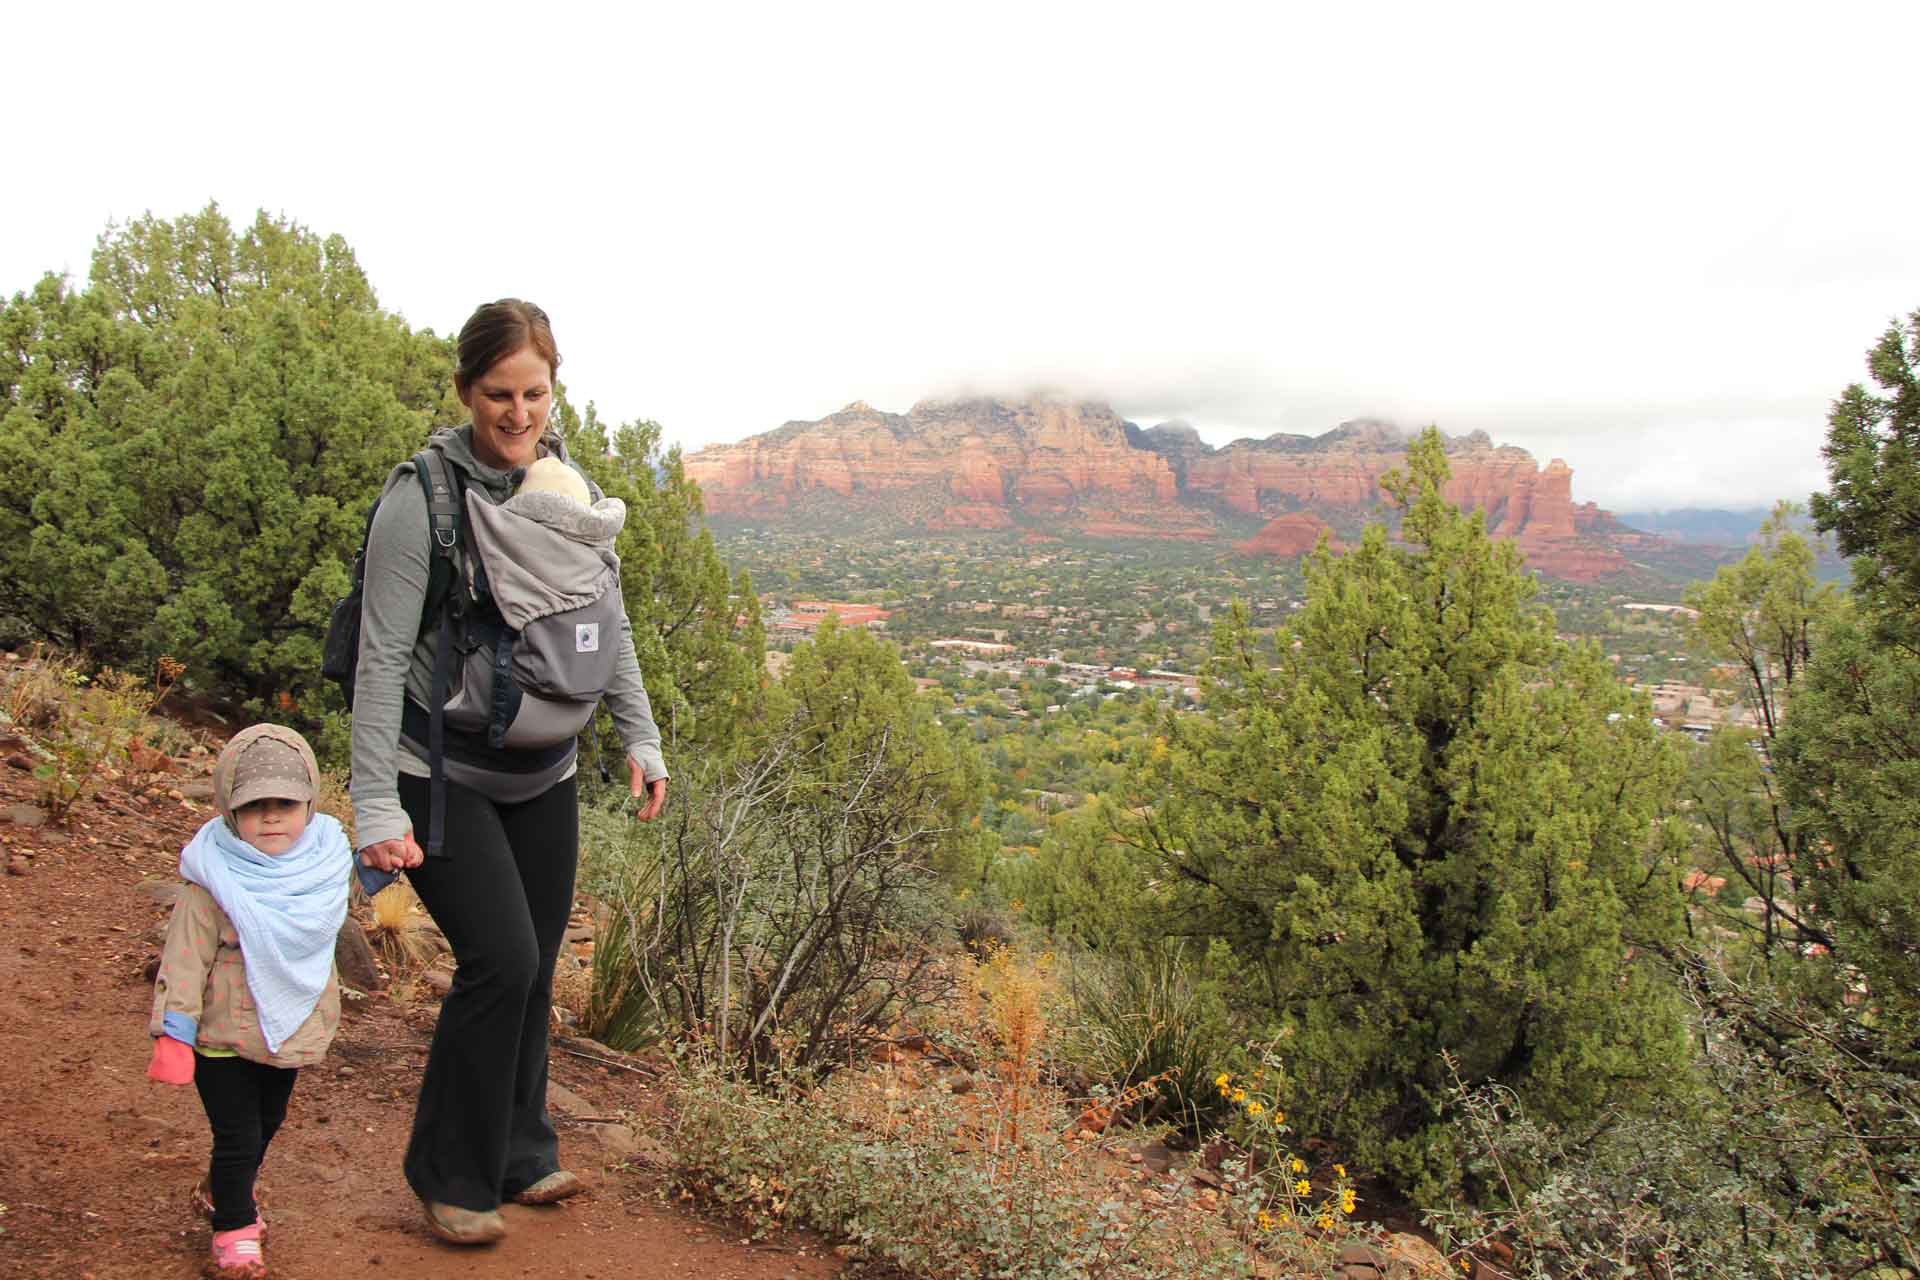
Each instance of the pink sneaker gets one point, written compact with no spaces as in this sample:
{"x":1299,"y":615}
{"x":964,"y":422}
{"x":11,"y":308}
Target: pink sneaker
{"x":236,"y":1255}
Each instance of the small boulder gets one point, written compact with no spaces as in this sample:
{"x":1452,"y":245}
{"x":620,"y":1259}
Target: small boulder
{"x":563,"y":1101}
{"x":161,"y":892}
{"x":620,"y":1141}
{"x":1416,"y":1254}
{"x":25,"y":815}
{"x":354,"y":956}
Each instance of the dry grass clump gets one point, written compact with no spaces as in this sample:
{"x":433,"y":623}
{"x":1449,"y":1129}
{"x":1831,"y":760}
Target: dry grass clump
{"x":396,"y":932}
{"x":572,"y":988}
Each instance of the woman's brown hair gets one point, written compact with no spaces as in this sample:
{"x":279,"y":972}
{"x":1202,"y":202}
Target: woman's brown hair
{"x":498,"y":329}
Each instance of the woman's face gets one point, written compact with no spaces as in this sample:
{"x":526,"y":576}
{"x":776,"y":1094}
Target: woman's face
{"x":509,"y":404}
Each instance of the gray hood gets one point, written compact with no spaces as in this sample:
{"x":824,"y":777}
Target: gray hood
{"x":595,"y":526}
{"x":538,"y":566}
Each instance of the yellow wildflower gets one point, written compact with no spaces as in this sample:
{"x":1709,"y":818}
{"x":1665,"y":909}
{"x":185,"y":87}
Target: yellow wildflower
{"x":1326,"y":1222}
{"x":1302,"y":1188}
{"x":1347,"y":1200}
{"x":1254,"y":1108}
{"x":1220,"y":1081}
{"x":1466,"y":1266}
{"x":1299,"y":1165}
{"x":1339,"y":1171}
{"x":1279,"y":1117}
{"x":1239,"y":1095}
{"x":1265,"y":1220}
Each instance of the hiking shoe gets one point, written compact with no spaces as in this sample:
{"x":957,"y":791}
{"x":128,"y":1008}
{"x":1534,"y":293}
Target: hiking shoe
{"x":237,"y":1256}
{"x":557,"y":1185}
{"x":464,"y":1226}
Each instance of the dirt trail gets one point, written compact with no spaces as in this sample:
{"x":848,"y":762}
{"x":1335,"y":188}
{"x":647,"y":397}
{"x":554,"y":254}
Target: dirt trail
{"x":96,"y":1162}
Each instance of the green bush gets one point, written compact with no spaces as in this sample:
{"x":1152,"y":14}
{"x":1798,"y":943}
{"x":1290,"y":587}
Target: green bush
{"x":1792,"y":1149}
{"x":1422,"y":822}
{"x":1147,"y":1015}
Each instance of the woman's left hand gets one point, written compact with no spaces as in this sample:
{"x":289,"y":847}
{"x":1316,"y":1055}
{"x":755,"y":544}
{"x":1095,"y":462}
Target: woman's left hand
{"x":656,"y":791}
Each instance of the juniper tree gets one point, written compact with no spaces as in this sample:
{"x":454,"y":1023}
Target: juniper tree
{"x":1850,"y":758}
{"x":1424,"y":823}
{"x":1760,"y":616}
{"x":189,"y":443}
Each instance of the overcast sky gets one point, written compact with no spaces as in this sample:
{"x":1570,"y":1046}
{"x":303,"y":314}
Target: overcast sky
{"x":1655,"y":240}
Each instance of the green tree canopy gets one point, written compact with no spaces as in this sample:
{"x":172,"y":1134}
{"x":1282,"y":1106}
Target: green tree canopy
{"x":190,"y":442}
{"x":1761,"y":618}
{"x":856,"y":705}
{"x":1850,"y":760}
{"x":1872,"y":503}
{"x":1422,"y":823}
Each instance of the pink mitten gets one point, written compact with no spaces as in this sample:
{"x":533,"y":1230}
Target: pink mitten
{"x":172,"y":1062}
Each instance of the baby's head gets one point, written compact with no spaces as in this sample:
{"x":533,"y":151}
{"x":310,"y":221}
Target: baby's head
{"x":550,"y":475}
{"x":264,"y":782}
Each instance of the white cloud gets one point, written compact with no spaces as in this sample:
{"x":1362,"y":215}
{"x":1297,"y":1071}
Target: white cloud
{"x":1652,"y":239}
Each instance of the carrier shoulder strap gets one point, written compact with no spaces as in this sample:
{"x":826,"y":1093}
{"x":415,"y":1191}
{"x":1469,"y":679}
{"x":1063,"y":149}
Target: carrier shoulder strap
{"x":442,"y":487}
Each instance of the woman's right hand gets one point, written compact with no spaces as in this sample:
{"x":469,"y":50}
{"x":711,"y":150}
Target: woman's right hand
{"x":393,"y":855}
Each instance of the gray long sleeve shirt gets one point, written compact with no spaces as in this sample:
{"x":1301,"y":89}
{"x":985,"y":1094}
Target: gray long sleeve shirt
{"x":396,"y":660}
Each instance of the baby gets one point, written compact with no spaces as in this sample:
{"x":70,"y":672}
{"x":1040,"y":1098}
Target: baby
{"x":246,"y":993}
{"x":550,"y":475}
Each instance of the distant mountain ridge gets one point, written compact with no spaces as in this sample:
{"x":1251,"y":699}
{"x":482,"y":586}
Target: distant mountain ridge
{"x":1076,"y":466}
{"x":1707,"y":526}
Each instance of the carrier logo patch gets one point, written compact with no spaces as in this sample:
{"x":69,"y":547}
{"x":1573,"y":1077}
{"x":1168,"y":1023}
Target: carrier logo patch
{"x":586,"y":637}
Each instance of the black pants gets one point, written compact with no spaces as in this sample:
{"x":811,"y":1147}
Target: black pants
{"x":501,"y":895}
{"x":245,"y":1103}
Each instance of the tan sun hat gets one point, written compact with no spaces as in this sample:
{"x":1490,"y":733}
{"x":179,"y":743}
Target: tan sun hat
{"x":265,"y":761}
{"x":550,"y":475}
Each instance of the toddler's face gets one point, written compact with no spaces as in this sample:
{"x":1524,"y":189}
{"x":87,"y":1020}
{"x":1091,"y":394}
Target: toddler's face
{"x":272,"y":825}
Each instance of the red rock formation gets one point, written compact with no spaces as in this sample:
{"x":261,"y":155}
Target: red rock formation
{"x":1344,"y":469}
{"x":1059,"y":465}
{"x":1044,"y":454}
{"x":1286,"y":537}
{"x":1539,"y":504}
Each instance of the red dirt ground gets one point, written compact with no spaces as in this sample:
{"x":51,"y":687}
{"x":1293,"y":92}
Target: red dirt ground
{"x":96,"y":1161}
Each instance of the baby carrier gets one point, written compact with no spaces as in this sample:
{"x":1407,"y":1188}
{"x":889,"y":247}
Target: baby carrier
{"x":542,"y":618}
{"x":524,"y":600}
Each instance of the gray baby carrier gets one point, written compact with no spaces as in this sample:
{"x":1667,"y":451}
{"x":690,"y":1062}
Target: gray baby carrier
{"x":541,"y":641}
{"x":523,"y":603}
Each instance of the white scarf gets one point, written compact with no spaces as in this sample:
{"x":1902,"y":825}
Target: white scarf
{"x":287,"y":909}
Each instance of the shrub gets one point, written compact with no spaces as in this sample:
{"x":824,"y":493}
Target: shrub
{"x":788,"y":920}
{"x":1146,"y":1015}
{"x":84,"y":724}
{"x":879,"y":1166}
{"x":1422,"y":822}
{"x":1796,"y":1153}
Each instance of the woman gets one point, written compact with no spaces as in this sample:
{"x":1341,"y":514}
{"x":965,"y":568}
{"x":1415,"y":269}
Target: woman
{"x":502,"y":888}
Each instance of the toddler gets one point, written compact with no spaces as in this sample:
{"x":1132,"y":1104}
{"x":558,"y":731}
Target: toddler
{"x":246,"y":993}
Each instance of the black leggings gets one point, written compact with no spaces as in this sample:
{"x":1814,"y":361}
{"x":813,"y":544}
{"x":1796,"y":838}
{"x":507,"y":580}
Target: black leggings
{"x":245,"y":1102}
{"x":501,"y":895}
